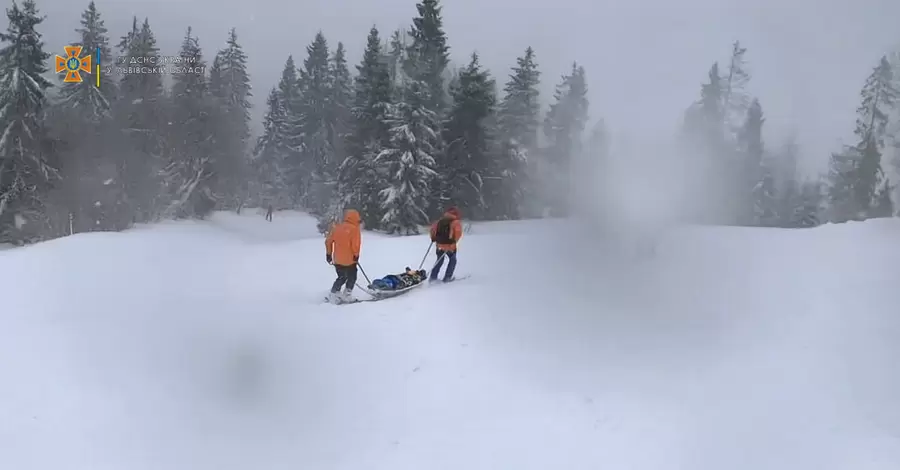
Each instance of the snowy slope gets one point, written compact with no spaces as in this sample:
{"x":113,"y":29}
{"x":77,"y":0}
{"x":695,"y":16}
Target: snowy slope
{"x":205,"y":346}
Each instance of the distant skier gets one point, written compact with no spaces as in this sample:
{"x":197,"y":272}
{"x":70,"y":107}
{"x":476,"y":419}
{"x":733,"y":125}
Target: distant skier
{"x":269,"y":213}
{"x":342,"y":249}
{"x":446,"y":233}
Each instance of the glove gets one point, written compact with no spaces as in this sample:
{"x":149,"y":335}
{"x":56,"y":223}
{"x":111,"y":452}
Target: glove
{"x":356,"y":259}
{"x":328,"y":258}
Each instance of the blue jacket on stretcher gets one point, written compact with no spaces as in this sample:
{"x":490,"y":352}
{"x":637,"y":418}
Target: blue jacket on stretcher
{"x":400,"y":281}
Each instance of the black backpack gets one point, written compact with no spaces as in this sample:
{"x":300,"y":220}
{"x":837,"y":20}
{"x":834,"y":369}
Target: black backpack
{"x":442,"y":234}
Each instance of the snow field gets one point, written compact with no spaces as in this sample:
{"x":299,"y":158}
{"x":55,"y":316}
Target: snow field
{"x":204,"y":345}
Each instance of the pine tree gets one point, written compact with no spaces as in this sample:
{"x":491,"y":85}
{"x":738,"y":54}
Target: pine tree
{"x":469,"y":140}
{"x":230,"y":84}
{"x":141,"y":112}
{"x":408,"y":161}
{"x":735,"y":101}
{"x":359,"y":181}
{"x":313,"y":111}
{"x":564,"y":127}
{"x":233,"y":84}
{"x":757,"y":191}
{"x":858,"y":182}
{"x":25,"y":170}
{"x":806,"y":213}
{"x":92,"y":102}
{"x":216,"y":88}
{"x":137,"y":46}
{"x":712,"y":112}
{"x":296,"y":169}
{"x":338,"y":117}
{"x":427,"y":55}
{"x":396,"y":56}
{"x":518,"y":124}
{"x":190,"y":170}
{"x":787,"y":184}
{"x":271,"y":155}
{"x":81,"y":120}
{"x":519,"y":113}
{"x":713,"y":152}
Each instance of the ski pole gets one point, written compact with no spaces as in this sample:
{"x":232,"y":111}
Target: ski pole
{"x":426,"y":254}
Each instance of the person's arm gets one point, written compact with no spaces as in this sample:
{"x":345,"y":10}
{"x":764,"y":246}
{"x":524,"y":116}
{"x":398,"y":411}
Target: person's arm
{"x":356,"y":243}
{"x":329,"y":242}
{"x":457,"y":231}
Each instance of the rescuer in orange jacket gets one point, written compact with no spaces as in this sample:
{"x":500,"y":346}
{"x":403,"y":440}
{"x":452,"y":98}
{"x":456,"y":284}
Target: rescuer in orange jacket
{"x":446,"y":233}
{"x":342,"y":249}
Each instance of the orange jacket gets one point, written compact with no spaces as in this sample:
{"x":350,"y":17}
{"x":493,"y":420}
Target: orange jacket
{"x":344,"y":240}
{"x":456,"y":231}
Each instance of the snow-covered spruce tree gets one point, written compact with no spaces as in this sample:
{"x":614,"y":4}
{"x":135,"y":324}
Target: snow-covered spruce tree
{"x":270,"y":157}
{"x":757,"y":201}
{"x":787,"y":184}
{"x":892,"y":141}
{"x":426,"y":62}
{"x":408,"y":161}
{"x":191,"y":154}
{"x":735,"y":100}
{"x":564,"y":127}
{"x":359,"y":182}
{"x":810,"y":204}
{"x":91,"y":141}
{"x":215,"y":77}
{"x":25,"y":172}
{"x":518,"y":119}
{"x":338,"y":120}
{"x":230,"y":85}
{"x":428,"y":55}
{"x":296,"y":169}
{"x":858,"y":182}
{"x":469,"y":140}
{"x":91,"y":102}
{"x":313,"y":110}
{"x":142,"y":114}
{"x":711,"y":152}
{"x":395,"y":54}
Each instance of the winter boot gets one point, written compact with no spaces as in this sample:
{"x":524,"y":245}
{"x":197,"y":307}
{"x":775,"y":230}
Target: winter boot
{"x":347,"y":296}
{"x":335,"y":298}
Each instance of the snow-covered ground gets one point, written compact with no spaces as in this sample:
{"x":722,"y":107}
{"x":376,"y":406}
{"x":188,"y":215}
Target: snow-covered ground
{"x":205,"y":345}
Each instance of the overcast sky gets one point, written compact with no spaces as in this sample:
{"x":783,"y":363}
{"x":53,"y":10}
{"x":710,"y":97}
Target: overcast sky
{"x":645,"y":59}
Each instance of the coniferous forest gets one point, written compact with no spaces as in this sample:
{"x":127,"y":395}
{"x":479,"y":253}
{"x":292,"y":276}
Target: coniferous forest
{"x":399,"y":136}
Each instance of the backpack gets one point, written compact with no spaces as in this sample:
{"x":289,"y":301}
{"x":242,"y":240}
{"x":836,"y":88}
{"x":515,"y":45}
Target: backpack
{"x":442,"y":234}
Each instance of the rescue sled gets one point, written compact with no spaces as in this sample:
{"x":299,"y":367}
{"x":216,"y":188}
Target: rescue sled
{"x":393,"y":285}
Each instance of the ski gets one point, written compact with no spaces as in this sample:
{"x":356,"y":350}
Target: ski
{"x":455,"y":279}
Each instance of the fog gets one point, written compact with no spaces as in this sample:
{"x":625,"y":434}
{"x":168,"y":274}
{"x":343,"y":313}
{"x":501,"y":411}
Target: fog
{"x":645,"y":59}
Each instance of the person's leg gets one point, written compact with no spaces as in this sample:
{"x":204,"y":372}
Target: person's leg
{"x":351,"y":278}
{"x":437,"y":266}
{"x":347,"y":294}
{"x":341,"y":278}
{"x":451,"y":265}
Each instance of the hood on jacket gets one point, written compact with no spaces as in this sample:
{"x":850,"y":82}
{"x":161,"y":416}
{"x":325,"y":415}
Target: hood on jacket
{"x":452,"y":212}
{"x":351,"y":216}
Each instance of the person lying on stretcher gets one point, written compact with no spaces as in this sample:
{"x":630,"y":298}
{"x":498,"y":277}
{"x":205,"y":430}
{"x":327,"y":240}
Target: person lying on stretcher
{"x":400,"y":281}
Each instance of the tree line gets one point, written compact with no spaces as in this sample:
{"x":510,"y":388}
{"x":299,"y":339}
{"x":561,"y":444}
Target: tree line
{"x":399,"y":136}
{"x":761,"y":186}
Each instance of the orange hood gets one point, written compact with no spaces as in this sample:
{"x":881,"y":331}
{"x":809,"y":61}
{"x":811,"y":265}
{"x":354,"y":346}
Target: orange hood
{"x":351,"y":216}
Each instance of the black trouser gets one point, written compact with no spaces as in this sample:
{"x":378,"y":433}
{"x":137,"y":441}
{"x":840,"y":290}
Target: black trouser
{"x":451,"y":266}
{"x":345,"y":275}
